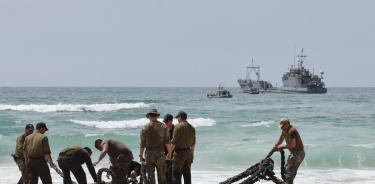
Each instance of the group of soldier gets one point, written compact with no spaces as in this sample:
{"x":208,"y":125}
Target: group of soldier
{"x":166,"y":147}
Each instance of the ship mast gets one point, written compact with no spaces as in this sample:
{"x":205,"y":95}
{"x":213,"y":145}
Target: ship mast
{"x":253,"y":68}
{"x":300,"y":59}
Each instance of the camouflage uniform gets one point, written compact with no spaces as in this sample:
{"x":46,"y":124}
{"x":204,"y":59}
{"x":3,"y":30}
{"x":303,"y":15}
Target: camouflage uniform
{"x":20,"y":160}
{"x":71,"y":159}
{"x":183,"y":139}
{"x":296,"y":155}
{"x":154,"y":136}
{"x":37,"y":146}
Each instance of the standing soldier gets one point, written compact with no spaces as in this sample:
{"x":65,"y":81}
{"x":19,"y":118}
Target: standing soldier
{"x":19,"y":156}
{"x":37,"y":150}
{"x":154,"y":137}
{"x":71,"y":159}
{"x":183,"y":145}
{"x":294,"y":145}
{"x":168,"y":120}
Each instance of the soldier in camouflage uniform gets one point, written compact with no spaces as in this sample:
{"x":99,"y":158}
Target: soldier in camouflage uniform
{"x":183,"y":145}
{"x":19,"y":156}
{"x":154,"y":137}
{"x":37,"y":151}
{"x":294,"y":145}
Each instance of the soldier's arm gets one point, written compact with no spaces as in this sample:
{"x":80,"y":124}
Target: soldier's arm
{"x":102,"y":153}
{"x":193,"y":146}
{"x":280,"y":141}
{"x":47,"y":151}
{"x":90,"y":167}
{"x":142,"y":145}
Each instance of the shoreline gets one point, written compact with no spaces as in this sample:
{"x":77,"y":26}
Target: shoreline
{"x":10,"y":174}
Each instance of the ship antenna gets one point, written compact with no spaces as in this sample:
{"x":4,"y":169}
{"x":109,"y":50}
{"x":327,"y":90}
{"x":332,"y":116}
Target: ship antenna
{"x":300,"y":60}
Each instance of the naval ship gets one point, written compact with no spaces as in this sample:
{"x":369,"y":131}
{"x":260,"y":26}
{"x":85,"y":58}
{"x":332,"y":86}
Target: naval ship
{"x":251,"y":86}
{"x":301,"y":80}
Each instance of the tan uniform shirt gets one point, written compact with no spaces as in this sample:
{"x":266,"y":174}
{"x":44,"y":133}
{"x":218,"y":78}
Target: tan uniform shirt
{"x":36,"y":145}
{"x":19,"y":145}
{"x":154,"y":136}
{"x":291,"y":134}
{"x":183,"y":135}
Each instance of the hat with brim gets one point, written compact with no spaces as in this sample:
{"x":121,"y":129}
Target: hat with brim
{"x":152,"y":112}
{"x":283,"y":121}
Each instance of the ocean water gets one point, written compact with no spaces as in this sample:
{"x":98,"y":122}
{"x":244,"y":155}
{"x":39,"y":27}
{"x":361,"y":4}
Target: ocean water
{"x":337,"y":128}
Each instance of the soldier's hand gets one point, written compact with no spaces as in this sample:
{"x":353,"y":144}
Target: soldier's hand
{"x":95,"y":163}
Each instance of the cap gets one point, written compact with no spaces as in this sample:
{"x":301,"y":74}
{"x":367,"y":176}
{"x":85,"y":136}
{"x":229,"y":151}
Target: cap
{"x":41,"y":125}
{"x":167,"y":117}
{"x":29,"y":127}
{"x":182,"y":115}
{"x":283,"y":121}
{"x":152,"y":111}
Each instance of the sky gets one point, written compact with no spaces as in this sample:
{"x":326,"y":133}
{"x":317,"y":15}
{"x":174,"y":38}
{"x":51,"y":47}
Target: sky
{"x":183,"y":43}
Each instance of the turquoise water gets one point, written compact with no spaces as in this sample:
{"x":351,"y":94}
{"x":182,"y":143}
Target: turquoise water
{"x":337,"y":128}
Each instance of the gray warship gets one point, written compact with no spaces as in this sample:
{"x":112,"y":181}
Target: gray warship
{"x":301,"y":80}
{"x":251,"y":86}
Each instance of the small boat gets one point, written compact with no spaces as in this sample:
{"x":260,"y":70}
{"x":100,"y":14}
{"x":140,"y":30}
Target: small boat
{"x":220,"y":93}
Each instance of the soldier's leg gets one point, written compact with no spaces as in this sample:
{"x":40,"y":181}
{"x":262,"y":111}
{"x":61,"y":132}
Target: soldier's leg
{"x":168,"y":173}
{"x":79,"y":174}
{"x":177,"y":166}
{"x":44,"y":172}
{"x":186,"y":170}
{"x":24,"y":175}
{"x":160,"y":167}
{"x":32,"y":171}
{"x":150,"y":164}
{"x":292,"y":165}
{"x":66,"y":171}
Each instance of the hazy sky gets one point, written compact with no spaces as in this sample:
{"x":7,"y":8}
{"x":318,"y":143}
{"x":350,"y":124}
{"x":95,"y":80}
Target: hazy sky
{"x":182,"y":43}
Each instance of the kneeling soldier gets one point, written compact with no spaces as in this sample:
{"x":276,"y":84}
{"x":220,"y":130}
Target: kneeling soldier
{"x":71,"y":159}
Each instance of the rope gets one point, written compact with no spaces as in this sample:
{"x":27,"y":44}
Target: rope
{"x":260,"y":171}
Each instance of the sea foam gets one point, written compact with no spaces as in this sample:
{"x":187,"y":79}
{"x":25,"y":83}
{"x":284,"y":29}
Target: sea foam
{"x":261,"y":123}
{"x":197,"y":122}
{"x":73,"y":107}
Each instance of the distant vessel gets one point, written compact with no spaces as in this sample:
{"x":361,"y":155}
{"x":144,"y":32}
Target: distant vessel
{"x":301,"y":80}
{"x":220,"y":93}
{"x":251,"y":86}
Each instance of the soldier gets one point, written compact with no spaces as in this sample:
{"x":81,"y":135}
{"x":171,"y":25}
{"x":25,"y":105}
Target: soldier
{"x":294,"y":145}
{"x":37,"y":150}
{"x":119,"y":154}
{"x":71,"y":159}
{"x":154,"y":137}
{"x":19,"y":156}
{"x":168,"y":120}
{"x":183,"y":145}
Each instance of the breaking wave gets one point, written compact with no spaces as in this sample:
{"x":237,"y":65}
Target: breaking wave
{"x":198,"y":122}
{"x":73,"y":107}
{"x":261,"y":123}
{"x":367,"y":146}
